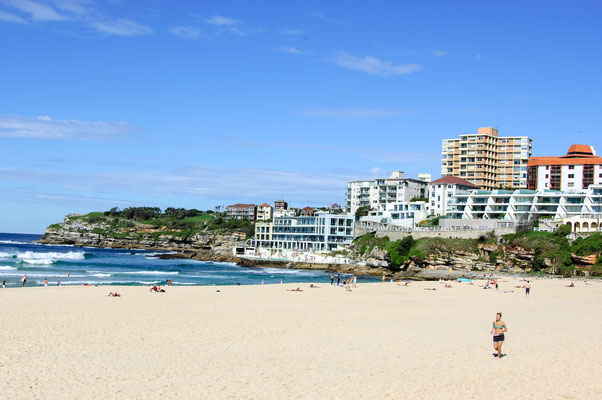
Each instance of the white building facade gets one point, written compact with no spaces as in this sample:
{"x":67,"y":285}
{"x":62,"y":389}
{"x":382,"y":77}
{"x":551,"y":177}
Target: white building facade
{"x":405,"y":214}
{"x":378,"y":193}
{"x":320,"y":232}
{"x":525,"y":204}
{"x":578,"y":169}
{"x":442,"y":191}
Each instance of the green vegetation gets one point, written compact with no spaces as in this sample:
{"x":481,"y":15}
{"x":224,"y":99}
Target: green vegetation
{"x":430,"y":222}
{"x":362,"y":211}
{"x":176,"y":222}
{"x":419,"y":199}
{"x":551,"y":251}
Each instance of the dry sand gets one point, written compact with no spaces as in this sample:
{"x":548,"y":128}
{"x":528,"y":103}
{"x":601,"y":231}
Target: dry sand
{"x":380,"y":341}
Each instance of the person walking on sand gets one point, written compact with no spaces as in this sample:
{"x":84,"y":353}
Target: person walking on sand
{"x":24,"y":280}
{"x":527,"y":288}
{"x":354,"y":280}
{"x":384,"y":277}
{"x":3,"y":284}
{"x":45,"y":282}
{"x":332,"y":279}
{"x":338,"y":279}
{"x":498,"y":329}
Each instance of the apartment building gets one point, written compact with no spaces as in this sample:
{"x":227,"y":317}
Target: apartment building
{"x":578,"y":169}
{"x":241,"y":211}
{"x":320,"y":232}
{"x":280,"y":205}
{"x":406,"y":214}
{"x":265,"y":212}
{"x":486,"y":159}
{"x":526,"y":204}
{"x":378,"y":193}
{"x":443,"y":190}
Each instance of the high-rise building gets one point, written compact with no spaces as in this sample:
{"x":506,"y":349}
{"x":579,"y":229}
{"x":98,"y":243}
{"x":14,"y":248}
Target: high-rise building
{"x":487,"y":160}
{"x":578,"y":169}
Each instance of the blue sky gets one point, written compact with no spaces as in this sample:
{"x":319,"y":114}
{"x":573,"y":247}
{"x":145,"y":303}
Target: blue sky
{"x":198,"y":104}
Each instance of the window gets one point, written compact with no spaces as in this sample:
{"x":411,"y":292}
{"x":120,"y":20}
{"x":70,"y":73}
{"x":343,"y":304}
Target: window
{"x":571,"y":176}
{"x":571,"y":184}
{"x":571,"y":167}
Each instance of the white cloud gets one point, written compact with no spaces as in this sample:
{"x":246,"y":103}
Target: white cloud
{"x":45,"y":127}
{"x":290,"y":50}
{"x":73,"y":6}
{"x":354,"y":113}
{"x":187,"y":32}
{"x":292,"y":32}
{"x":8,"y":17}
{"x":222,"y":21}
{"x":374,"y":66}
{"x":440,"y":53}
{"x":122,"y":27}
{"x":319,"y":15}
{"x":37,"y":11}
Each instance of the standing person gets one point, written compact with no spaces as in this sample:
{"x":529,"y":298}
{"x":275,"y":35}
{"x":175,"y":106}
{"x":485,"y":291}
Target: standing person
{"x":527,"y":288}
{"x":3,"y":284}
{"x":332,"y":279}
{"x":68,"y":273}
{"x":498,"y":329}
{"x":384,"y":277}
{"x":59,"y":282}
{"x":24,"y":279}
{"x":354,"y":279}
{"x":338,"y":279}
{"x":45,"y":282}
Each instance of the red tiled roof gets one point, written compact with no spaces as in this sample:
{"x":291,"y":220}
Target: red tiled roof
{"x":454,"y":180}
{"x":580,"y":148}
{"x":308,"y":208}
{"x":264,"y":205}
{"x":578,"y":154}
{"x":238,"y":205}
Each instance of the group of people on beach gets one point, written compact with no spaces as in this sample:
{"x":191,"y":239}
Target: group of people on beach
{"x":347,"y":282}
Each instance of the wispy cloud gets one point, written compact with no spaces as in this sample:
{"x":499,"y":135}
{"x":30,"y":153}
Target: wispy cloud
{"x":222,"y":21}
{"x":187,"y":32}
{"x":290,"y":50}
{"x":80,"y":12}
{"x":354,"y":113}
{"x":319,"y":15}
{"x":440,"y":53}
{"x":197,"y":182}
{"x":122,"y":27}
{"x":8,"y":17}
{"x":292,"y":32}
{"x":37,"y":11}
{"x":45,"y":127}
{"x":374,"y":66}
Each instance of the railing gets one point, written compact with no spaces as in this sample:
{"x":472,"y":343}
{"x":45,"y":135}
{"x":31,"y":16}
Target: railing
{"x":397,"y":228}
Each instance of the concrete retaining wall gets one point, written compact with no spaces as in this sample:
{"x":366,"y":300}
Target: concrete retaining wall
{"x":459,"y":234}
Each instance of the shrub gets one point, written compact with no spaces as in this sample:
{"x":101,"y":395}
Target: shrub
{"x":563,"y":230}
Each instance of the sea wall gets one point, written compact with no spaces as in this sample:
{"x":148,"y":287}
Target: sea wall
{"x":456,"y":234}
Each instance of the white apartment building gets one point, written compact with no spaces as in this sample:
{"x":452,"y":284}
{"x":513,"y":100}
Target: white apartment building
{"x":320,"y":232}
{"x":443,"y":190}
{"x":486,"y":159}
{"x":378,"y":193}
{"x":524,"y":203}
{"x":265,"y":212}
{"x":404,"y":214}
{"x":578,"y":169}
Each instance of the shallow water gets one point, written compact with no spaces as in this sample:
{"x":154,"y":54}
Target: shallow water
{"x":19,"y":256}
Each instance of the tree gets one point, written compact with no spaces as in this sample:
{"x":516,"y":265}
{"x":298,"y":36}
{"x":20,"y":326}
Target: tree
{"x":362,"y":211}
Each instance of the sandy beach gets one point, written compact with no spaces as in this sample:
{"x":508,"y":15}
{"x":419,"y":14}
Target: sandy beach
{"x":380,"y":340}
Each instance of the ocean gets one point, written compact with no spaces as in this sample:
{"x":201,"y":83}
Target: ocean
{"x":19,"y":255}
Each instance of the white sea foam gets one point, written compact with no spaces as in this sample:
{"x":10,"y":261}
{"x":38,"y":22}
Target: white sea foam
{"x":4,"y":254}
{"x":150,"y":273}
{"x":7,"y":268}
{"x":12,"y":242}
{"x":101,"y":275}
{"x":46,"y":258}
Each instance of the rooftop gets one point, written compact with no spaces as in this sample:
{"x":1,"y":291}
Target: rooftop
{"x":577,"y":154}
{"x":453,"y":180}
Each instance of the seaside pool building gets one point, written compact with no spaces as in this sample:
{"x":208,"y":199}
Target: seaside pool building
{"x":319,"y":232}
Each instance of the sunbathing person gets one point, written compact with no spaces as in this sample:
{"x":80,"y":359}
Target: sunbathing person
{"x":156,"y":289}
{"x":294,"y":290}
{"x":114,"y":294}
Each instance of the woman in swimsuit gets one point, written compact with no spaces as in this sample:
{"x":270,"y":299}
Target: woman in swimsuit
{"x":499,"y":327}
